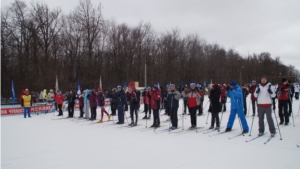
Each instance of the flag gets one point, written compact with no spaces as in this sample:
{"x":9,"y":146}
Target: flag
{"x":100,"y":83}
{"x":125,"y":85}
{"x":56,"y":84}
{"x":181,"y":85}
{"x":78,"y":85}
{"x":204,"y":84}
{"x":158,"y":85}
{"x":12,"y":91}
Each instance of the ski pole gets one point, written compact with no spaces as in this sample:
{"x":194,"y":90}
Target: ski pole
{"x":205,"y":105}
{"x":249,"y":107}
{"x":291,"y":100}
{"x":196,"y":121}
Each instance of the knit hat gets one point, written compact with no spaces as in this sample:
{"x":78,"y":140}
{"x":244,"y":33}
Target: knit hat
{"x":215,"y":86}
{"x":233,"y":83}
{"x":198,"y":85}
{"x":284,"y":79}
{"x":253,"y":81}
{"x":155,"y":87}
{"x":192,"y":84}
{"x":119,"y":87}
{"x":172,"y":85}
{"x":167,"y":86}
{"x":264,"y":76}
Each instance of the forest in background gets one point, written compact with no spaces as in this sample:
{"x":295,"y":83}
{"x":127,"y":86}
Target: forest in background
{"x":38,"y":43}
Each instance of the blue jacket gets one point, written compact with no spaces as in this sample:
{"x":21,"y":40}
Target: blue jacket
{"x":101,"y":99}
{"x":87,"y":91}
{"x":236,"y":97}
{"x":121,"y":98}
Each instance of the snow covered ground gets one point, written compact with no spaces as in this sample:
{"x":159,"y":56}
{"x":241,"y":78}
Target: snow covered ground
{"x":43,"y":143}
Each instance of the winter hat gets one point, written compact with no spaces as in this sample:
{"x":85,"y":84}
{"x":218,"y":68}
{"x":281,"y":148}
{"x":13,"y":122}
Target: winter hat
{"x":119,"y":87}
{"x":264,"y":76}
{"x":233,"y":83}
{"x":51,"y":90}
{"x":192,"y":84}
{"x":253,"y":81}
{"x":145,"y":88}
{"x":198,"y":85}
{"x":283,"y":80}
{"x":168,"y":86}
{"x":99,"y":89}
{"x":172,"y":85}
{"x":155,"y":87}
{"x":215,"y":86}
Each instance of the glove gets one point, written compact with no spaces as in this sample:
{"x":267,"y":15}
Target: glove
{"x":258,"y":90}
{"x":270,"y":91}
{"x":227,"y":88}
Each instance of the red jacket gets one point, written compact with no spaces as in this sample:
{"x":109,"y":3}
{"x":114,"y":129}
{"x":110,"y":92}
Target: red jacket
{"x":252,"y":90}
{"x":155,"y":98}
{"x":80,"y":99}
{"x":59,"y":98}
{"x":148,"y":93}
{"x":223,"y":93}
{"x":283,"y":92}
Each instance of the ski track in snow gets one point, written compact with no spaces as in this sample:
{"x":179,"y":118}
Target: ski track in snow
{"x":42,"y":143}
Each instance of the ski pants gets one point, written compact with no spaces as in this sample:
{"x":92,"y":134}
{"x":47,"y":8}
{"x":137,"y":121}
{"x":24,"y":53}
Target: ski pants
{"x":93,"y":112}
{"x":193,"y":115}
{"x":156,"y":120}
{"x":113,"y":107}
{"x":261,"y":115}
{"x":174,"y":118}
{"x":81,"y":111}
{"x":245,"y":106}
{"x":147,"y":108}
{"x":215,"y":114}
{"x":103,"y":111}
{"x":284,"y":116}
{"x":121,"y":113}
{"x":274,"y":105}
{"x":60,"y":112}
{"x":71,"y":109}
{"x":241,"y":115}
{"x":184,"y":105}
{"x":290,"y":105}
{"x":26,"y":111}
{"x":133,"y":110}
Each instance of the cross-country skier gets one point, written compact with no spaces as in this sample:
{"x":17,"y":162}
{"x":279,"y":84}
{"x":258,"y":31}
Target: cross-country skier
{"x":121,"y":104}
{"x":245,"y":94}
{"x":113,"y":101}
{"x":253,"y":99}
{"x":214,"y":96}
{"x":81,"y":104}
{"x":155,"y":105}
{"x":26,"y":103}
{"x":134,"y":105}
{"x":93,"y":104}
{"x":147,"y":103}
{"x":165,"y":101}
{"x":71,"y":102}
{"x":193,"y":101}
{"x":185,"y":93}
{"x":101,"y":104}
{"x":173,"y":104}
{"x":283,"y":98}
{"x":235,"y":94}
{"x":59,"y":98}
{"x":264,"y":94}
{"x":201,"y":93}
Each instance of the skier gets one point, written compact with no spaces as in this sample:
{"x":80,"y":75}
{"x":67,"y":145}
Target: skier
{"x":71,"y":99}
{"x":201,"y":93}
{"x":50,"y":96}
{"x":134,"y":104}
{"x":264,"y":93}
{"x":113,"y":101}
{"x":155,"y":105}
{"x":296,"y":91}
{"x":245,"y":94}
{"x":86,"y":103}
{"x":59,"y":98}
{"x":193,"y":101}
{"x":80,"y":100}
{"x":121,"y":103}
{"x":101,"y":104}
{"x":93,"y":104}
{"x":26,"y":103}
{"x":283,"y":98}
{"x":165,"y":102}
{"x":223,"y":97}
{"x":291,"y":94}
{"x":185,"y":93}
{"x":214,"y":96}
{"x":147,"y":103}
{"x":173,"y":104}
{"x":234,"y":92}
{"x":253,"y":99}
{"x":144,"y":97}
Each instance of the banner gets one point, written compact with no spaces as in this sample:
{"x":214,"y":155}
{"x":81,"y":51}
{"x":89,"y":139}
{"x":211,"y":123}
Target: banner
{"x":56,"y":84}
{"x":13,"y":91}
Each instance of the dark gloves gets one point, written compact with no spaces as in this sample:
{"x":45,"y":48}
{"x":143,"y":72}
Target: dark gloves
{"x":258,"y":90}
{"x":270,"y":91}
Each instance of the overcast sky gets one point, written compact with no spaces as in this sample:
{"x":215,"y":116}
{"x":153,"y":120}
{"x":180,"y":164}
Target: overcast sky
{"x":252,"y":26}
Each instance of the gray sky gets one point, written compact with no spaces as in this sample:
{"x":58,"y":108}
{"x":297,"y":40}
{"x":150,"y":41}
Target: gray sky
{"x":252,"y":26}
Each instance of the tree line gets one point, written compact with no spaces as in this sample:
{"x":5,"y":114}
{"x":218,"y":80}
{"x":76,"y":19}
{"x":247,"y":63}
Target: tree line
{"x":38,"y":43}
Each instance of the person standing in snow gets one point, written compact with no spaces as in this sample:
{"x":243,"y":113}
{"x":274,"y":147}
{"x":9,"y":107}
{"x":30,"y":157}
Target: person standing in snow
{"x":121,"y":103}
{"x":253,"y":99}
{"x":113,"y":101}
{"x":134,"y":104}
{"x":155,"y":105}
{"x":214,"y":97}
{"x":50,"y":96}
{"x":283,"y":98}
{"x":86,"y":103}
{"x":264,"y":93}
{"x":173,"y":103}
{"x":81,"y":104}
{"x":71,"y":100}
{"x":185,"y":93}
{"x":296,"y":88}
{"x":26,"y":103}
{"x":194,"y":100}
{"x":147,"y":103}
{"x":165,"y":101}
{"x":223,"y":97}
{"x":235,"y":94}
{"x":245,"y":94}
{"x":201,"y":93}
{"x":93,"y":104}
{"x":59,"y":98}
{"x":291,"y":94}
{"x":101,"y":103}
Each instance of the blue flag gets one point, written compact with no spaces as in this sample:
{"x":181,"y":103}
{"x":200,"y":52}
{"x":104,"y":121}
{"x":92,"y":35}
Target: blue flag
{"x":204,"y":84}
{"x":78,"y":85}
{"x":158,"y":85}
{"x":12,"y":91}
{"x":125,"y":85}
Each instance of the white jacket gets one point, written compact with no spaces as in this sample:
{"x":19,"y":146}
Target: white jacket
{"x":296,"y":88}
{"x":264,"y":97}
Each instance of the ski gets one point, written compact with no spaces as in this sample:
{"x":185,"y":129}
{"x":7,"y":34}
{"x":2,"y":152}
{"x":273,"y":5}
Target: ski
{"x":188,"y":131}
{"x":60,"y":118}
{"x":269,"y":139}
{"x":211,"y":130}
{"x":242,"y":134}
{"x":102,"y":122}
{"x":221,"y":133}
{"x":283,"y":126}
{"x":149,"y":128}
{"x":132,"y":126}
{"x":255,"y":138}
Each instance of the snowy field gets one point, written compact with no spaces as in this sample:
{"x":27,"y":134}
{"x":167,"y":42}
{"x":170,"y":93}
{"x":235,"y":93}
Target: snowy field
{"x":41,"y":142}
